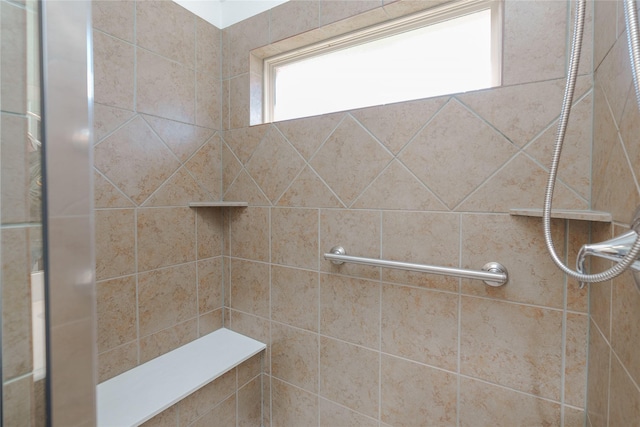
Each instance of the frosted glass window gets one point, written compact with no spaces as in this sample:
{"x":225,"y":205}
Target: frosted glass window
{"x":454,"y":54}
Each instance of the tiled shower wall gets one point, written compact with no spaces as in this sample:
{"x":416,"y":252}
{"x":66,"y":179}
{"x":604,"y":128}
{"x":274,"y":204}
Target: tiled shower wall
{"x":428,"y":181}
{"x":157,"y":116}
{"x":614,"y":360}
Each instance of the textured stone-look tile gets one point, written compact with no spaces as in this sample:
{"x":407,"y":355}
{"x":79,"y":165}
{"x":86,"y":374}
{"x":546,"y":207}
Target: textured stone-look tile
{"x":294,"y":237}
{"x":166,"y":29}
{"x":293,"y":18}
{"x":202,"y":401}
{"x":250,"y":404}
{"x":114,"y":17}
{"x":13,"y":39}
{"x":166,"y":236}
{"x":176,"y":99}
{"x":239,"y":39}
{"x":625,"y":320}
{"x":629,"y":129}
{"x":349,"y":375}
{"x":600,"y":294}
{"x":166,"y":418}
{"x":578,"y":233}
{"x":624,"y":400}
{"x":350,"y":309}
{"x":294,"y":297}
{"x":115,"y":243}
{"x":292,"y":406}
{"x":423,"y":238}
{"x":518,"y":244}
{"x":116,"y":361}
{"x":106,"y":195}
{"x":575,"y":369}
{"x":18,"y":402}
{"x":239,"y":101}
{"x":178,"y":190}
{"x":117,"y":320}
{"x":534,"y":41}
{"x":396,"y":124}
{"x":205,"y":167}
{"x":420,"y":325}
{"x":245,"y":189}
{"x":505,"y":408}
{"x":223,"y":415}
{"x":209,"y":284}
{"x":208,"y":100}
{"x":605,"y":137}
{"x":439,"y":153}
{"x":209,"y":228}
{"x":331,"y":11}
{"x":349,"y":160}
{"x":416,"y":395}
{"x":135,"y":160}
{"x":166,"y":340}
{"x":294,"y":356}
{"x":250,"y":369}
{"x":308,"y":190}
{"x":397,"y":188}
{"x":274,"y":164}
{"x":598,"y":374}
{"x":183,"y":139}
{"x":166,"y":297}
{"x":249,"y":233}
{"x":231,"y":167}
{"x":14,"y":173}
{"x":113,"y":64}
{"x":512,"y":345}
{"x":107,"y":119}
{"x":210,"y":322}
{"x":358,"y":232}
{"x":614,"y":75}
{"x":307,"y":134}
{"x":250,"y":287}
{"x":244,"y":141}
{"x":574,"y":417}
{"x":332,"y":414}
{"x":605,"y":16}
{"x":208,"y":48}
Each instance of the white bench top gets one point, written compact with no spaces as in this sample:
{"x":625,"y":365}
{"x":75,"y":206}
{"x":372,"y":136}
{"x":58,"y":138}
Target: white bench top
{"x":137,"y":395}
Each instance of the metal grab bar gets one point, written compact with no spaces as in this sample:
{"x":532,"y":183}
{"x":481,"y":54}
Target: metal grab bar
{"x":493,"y":273}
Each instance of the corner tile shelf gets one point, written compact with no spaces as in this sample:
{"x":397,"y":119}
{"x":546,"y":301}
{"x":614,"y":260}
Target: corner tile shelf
{"x":578,"y":215}
{"x":218,"y":204}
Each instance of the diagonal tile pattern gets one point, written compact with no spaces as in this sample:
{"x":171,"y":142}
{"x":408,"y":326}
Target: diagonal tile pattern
{"x":183,"y":139}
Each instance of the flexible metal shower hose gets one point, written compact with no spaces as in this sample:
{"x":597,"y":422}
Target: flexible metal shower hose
{"x":631,"y":18}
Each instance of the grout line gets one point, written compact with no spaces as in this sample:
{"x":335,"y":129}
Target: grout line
{"x":136,"y":269}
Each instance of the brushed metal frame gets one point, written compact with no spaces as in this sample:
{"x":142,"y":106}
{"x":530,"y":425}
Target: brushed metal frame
{"x":493,"y":273}
{"x":67,"y":103}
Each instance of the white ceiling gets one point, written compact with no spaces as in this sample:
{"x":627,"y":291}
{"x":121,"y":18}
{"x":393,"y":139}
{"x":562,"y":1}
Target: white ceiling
{"x":223,"y":13}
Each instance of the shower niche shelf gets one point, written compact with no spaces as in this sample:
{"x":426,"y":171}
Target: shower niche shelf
{"x":218,"y":204}
{"x":574,"y":214}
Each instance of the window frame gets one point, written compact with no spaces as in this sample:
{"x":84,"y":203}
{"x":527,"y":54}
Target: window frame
{"x":379,"y":31}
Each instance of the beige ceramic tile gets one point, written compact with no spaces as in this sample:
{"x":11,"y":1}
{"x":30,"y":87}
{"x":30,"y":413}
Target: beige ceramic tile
{"x":598,"y":374}
{"x":209,"y":225}
{"x":231,"y":167}
{"x":106,"y":195}
{"x":208,"y":48}
{"x":332,"y":414}
{"x":176,"y":99}
{"x":223,"y":415}
{"x":135,"y":160}
{"x":208,"y":100}
{"x":18,"y":401}
{"x":349,"y":160}
{"x":244,"y":141}
{"x":245,"y":189}
{"x":114,"y":17}
{"x":166,"y":236}
{"x":624,"y":400}
{"x":294,"y":356}
{"x":183,"y":139}
{"x":358,"y":232}
{"x":440,"y":152}
{"x":416,"y":395}
{"x":629,"y":129}
{"x":294,"y":237}
{"x":239,"y":39}
{"x":250,"y":287}
{"x":210,"y":285}
{"x":179,"y":190}
{"x":274,"y":164}
{"x":309,"y":191}
{"x":250,"y":369}
{"x":614,"y":74}
{"x":14,"y":176}
{"x":166,"y":29}
{"x":117,"y":320}
{"x":574,"y":417}
{"x":226,"y":104}
{"x":249,"y":233}
{"x":518,"y":244}
{"x":113,"y":64}
{"x":202,"y":401}
{"x":115,"y":243}
{"x":600,"y":294}
{"x":512,"y":345}
{"x":578,"y":235}
{"x":420,"y":325}
{"x":350,"y":309}
{"x":575,"y":369}
{"x":250,"y":404}
{"x":396,"y":124}
{"x":13,"y":42}
{"x":505,"y":408}
{"x":294,"y":297}
{"x":307,"y":134}
{"x":166,"y":297}
{"x":423,"y":238}
{"x":107,"y":119}
{"x":605,"y":138}
{"x":605,"y":27}
{"x":166,"y":340}
{"x":205,"y":166}
{"x":534,"y":41}
{"x":625,"y":320}
{"x":397,"y":188}
{"x":239,"y":101}
{"x":292,"y":406}
{"x":210,"y":322}
{"x":166,"y":418}
{"x":116,"y":361}
{"x":331,"y":11}
{"x":349,"y":375}
{"x":293,"y":18}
